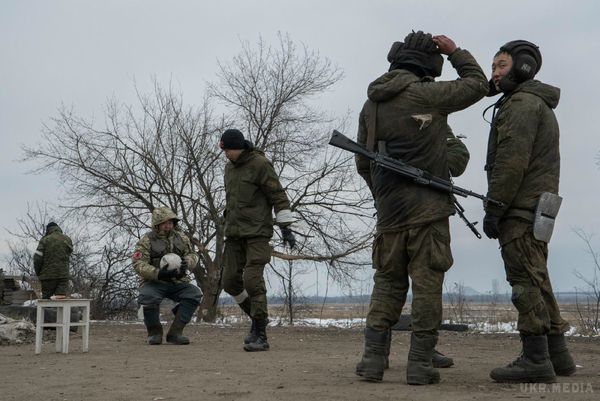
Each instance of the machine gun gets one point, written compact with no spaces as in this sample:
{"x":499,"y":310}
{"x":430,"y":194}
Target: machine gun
{"x":419,"y":176}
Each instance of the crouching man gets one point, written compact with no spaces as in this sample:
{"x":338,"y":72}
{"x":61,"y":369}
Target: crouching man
{"x":162,"y":259}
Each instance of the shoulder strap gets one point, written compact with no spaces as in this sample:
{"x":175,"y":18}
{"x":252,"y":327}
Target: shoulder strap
{"x":372,"y":126}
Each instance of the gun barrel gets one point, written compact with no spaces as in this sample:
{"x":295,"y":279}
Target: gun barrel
{"x":341,"y":141}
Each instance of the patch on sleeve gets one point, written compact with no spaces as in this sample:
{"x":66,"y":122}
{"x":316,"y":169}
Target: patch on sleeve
{"x":137,"y":255}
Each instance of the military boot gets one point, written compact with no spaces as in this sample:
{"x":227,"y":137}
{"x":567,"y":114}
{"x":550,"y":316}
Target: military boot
{"x":373,"y":361}
{"x":153,"y":326}
{"x":260,"y":343}
{"x":419,"y":369}
{"x":245,"y":305}
{"x":175,"y":333}
{"x":532,"y":366}
{"x":439,"y":360}
{"x":561,"y":359}
{"x":251,"y":336}
{"x":360,"y":366}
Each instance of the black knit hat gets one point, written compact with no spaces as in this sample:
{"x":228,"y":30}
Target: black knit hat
{"x":233,"y":139}
{"x":51,"y":224}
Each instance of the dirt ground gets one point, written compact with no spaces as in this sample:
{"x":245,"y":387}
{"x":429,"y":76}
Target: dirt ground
{"x":303,"y":364}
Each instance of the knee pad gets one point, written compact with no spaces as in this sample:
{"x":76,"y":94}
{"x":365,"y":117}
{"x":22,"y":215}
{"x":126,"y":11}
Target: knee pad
{"x":526,"y":298}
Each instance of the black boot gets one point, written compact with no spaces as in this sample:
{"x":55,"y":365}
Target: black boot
{"x":245,"y":305}
{"x":252,"y":335}
{"x":533,"y":366}
{"x":175,"y":333}
{"x":561,"y":359}
{"x":260,"y":343}
{"x":373,"y":361}
{"x":439,"y":360}
{"x":419,"y":369}
{"x":153,"y":326}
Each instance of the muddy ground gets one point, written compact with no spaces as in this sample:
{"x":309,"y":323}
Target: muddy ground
{"x":303,"y":364}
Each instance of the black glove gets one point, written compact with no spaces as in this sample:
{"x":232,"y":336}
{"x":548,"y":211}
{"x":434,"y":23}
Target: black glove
{"x":167,"y":275}
{"x":490,"y":226}
{"x":182,"y":269}
{"x":288,"y":237}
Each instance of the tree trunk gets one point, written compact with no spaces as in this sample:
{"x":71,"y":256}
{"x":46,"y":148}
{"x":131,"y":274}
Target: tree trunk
{"x":210,"y":284}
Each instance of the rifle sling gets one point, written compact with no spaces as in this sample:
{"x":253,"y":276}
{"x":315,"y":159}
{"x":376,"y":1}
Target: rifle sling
{"x":371,"y":127}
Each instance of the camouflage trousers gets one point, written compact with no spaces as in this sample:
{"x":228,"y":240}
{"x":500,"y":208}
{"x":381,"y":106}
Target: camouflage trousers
{"x":422,"y":254}
{"x":244,"y":262}
{"x":525,"y":263}
{"x":57,"y":286}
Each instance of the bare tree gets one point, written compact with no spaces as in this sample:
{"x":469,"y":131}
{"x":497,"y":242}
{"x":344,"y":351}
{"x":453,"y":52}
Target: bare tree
{"x":588,"y":307}
{"x":270,"y":92}
{"x":159,"y":154}
{"x":459,"y":306}
{"x":291,"y":291}
{"x":164,"y":153}
{"x":100,"y":270}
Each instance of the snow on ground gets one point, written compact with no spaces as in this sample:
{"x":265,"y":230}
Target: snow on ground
{"x":236,"y":320}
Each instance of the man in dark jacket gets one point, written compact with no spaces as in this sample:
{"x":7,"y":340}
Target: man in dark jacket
{"x":407,"y":111}
{"x":51,"y":262}
{"x":458,"y":158}
{"x":523,"y":168}
{"x":252,"y":191}
{"x":154,"y":254}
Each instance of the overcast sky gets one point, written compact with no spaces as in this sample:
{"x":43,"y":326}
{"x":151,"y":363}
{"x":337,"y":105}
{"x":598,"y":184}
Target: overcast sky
{"x":79,"y":53}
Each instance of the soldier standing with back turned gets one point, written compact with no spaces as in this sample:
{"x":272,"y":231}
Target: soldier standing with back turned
{"x":406,"y":112}
{"x":51,"y":262}
{"x":523,"y":168}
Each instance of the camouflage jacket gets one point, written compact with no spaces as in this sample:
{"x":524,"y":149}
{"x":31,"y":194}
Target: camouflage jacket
{"x":410,"y":115}
{"x":523,"y":157}
{"x":457,"y":154}
{"x":51,"y":258}
{"x":154,"y":245}
{"x":252,"y":190}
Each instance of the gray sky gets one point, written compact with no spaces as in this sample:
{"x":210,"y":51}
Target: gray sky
{"x":79,"y":53}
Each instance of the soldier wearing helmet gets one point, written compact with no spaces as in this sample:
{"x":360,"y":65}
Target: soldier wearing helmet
{"x":154,"y":251}
{"x":406,"y":112}
{"x":523,"y":169}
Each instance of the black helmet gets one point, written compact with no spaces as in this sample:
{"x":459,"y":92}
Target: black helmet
{"x":418,"y":53}
{"x":527,"y":61}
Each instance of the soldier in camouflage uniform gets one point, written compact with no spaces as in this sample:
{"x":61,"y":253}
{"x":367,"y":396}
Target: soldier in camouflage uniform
{"x":158,"y":283}
{"x":51,"y":261}
{"x":252,"y":191}
{"x":523,"y":161}
{"x":458,"y":158}
{"x":407,"y":112}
